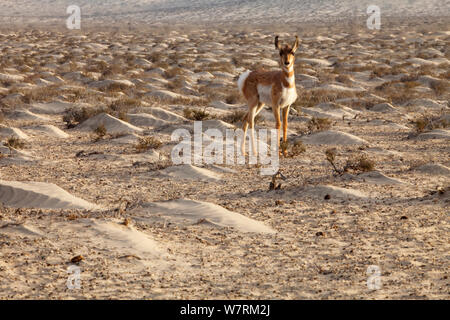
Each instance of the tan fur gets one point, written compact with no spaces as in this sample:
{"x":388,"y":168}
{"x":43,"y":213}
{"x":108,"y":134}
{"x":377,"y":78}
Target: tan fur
{"x":282,"y":91}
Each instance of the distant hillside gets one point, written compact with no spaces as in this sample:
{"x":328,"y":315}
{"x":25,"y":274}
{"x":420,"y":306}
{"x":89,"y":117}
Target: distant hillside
{"x":250,"y":11}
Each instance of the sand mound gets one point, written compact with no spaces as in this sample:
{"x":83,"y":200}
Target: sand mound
{"x":14,"y":156}
{"x":377,"y":177}
{"x":26,"y":115}
{"x":105,"y":84}
{"x":426,"y":103}
{"x":50,"y":130}
{"x":39,"y":195}
{"x":7,"y":132}
{"x":162,"y":114}
{"x":145,"y":120}
{"x":112,"y":124}
{"x":434,"y":169}
{"x":11,"y":77}
{"x":20,"y":230}
{"x":190,"y":172}
{"x":216,"y":124}
{"x":335,"y":192}
{"x":125,"y":242}
{"x":184,"y":212}
{"x":164,"y":95}
{"x":334,"y":138}
{"x":56,"y":107}
{"x":127,"y":239}
{"x":315,"y":62}
{"x":339,"y":88}
{"x":435,"y":134}
{"x":329,"y":110}
{"x":383,"y":107}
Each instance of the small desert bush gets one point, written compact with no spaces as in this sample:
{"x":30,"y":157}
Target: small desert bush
{"x":421,"y":124}
{"x":310,"y":98}
{"x":233,"y":98}
{"x":14,"y":142}
{"x":344,"y":78}
{"x":75,"y":116}
{"x":360,"y":163}
{"x":319,"y":124}
{"x":424,"y":124}
{"x":124,"y":104}
{"x":196,"y":114}
{"x":100,"y":131}
{"x":440,"y":87}
{"x":330,"y":155}
{"x":147,"y":143}
{"x":41,"y":94}
{"x":173,"y":72}
{"x":297,"y":149}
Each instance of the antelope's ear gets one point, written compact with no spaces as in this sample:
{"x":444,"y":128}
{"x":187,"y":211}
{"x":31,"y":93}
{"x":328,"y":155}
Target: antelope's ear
{"x":277,"y":44}
{"x":296,"y":44}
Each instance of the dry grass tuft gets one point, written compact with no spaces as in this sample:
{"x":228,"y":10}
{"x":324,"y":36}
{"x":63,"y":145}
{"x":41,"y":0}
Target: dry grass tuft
{"x":196,"y":114}
{"x":15,"y":143}
{"x":147,"y":143}
{"x":319,"y":124}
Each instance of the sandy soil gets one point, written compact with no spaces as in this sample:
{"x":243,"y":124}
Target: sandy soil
{"x":147,"y":229}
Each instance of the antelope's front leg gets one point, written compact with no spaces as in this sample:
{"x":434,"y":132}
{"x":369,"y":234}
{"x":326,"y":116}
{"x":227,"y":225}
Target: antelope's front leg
{"x":276,"y":114}
{"x":285,"y":126}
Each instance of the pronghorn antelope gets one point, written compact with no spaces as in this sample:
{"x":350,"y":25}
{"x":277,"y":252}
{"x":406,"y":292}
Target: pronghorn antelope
{"x":272,"y":88}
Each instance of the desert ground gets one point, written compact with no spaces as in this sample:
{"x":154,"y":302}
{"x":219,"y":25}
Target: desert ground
{"x":87,"y":179}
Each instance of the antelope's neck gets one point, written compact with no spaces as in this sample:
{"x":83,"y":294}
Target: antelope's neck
{"x":289,"y":77}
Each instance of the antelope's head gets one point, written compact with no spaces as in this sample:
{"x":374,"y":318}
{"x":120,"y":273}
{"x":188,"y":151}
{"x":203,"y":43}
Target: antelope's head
{"x":287,"y":53}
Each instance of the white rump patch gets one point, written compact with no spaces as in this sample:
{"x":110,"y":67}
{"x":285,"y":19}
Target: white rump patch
{"x":242,"y":79}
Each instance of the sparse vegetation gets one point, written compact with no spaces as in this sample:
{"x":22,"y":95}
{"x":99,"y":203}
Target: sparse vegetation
{"x":360,"y":164}
{"x":75,"y":116}
{"x":147,"y":143}
{"x":14,"y":143}
{"x":319,"y":124}
{"x":100,"y":131}
{"x":196,"y":114}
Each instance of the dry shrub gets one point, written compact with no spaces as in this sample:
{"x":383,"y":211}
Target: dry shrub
{"x":14,"y":142}
{"x":297,"y":149}
{"x":424,"y":123}
{"x":196,"y":114}
{"x":344,"y":78}
{"x":360,"y":163}
{"x":440,"y":87}
{"x":319,"y":124}
{"x":74,"y":116}
{"x":147,"y":143}
{"x":100,"y":131}
{"x":310,"y":98}
{"x":395,"y":94}
{"x":41,"y":94}
{"x":232,"y":98}
{"x":172,"y":72}
{"x":217,"y":66}
{"x":124,"y":104}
